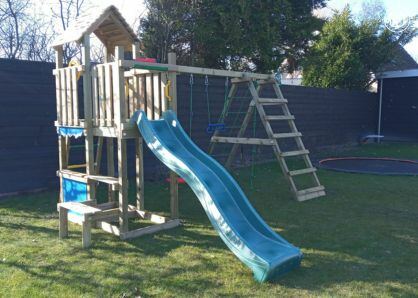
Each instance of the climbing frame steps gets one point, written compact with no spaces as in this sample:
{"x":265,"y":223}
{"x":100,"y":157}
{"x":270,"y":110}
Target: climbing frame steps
{"x":258,"y":103}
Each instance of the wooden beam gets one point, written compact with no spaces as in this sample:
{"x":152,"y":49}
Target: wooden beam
{"x":174,"y":188}
{"x":241,"y":132}
{"x":110,"y":166}
{"x":198,"y":70}
{"x":107,"y":227}
{"x":139,"y":168}
{"x":85,"y":51}
{"x":244,"y":141}
{"x":150,"y":229}
{"x":120,"y":116}
{"x":99,"y":153}
{"x":63,"y":221}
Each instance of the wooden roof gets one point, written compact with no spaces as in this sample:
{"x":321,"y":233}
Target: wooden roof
{"x":106,"y":23}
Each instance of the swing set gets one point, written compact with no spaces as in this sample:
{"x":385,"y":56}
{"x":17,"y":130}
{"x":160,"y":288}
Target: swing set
{"x":212,"y":127}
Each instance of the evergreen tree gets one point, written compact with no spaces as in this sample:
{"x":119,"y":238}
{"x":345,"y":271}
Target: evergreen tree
{"x":349,"y":53}
{"x":241,"y":35}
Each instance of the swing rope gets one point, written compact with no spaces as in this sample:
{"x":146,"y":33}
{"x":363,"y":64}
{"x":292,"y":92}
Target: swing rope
{"x":191,"y":82}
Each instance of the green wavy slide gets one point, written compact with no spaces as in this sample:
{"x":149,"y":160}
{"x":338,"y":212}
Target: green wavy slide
{"x":245,"y":233}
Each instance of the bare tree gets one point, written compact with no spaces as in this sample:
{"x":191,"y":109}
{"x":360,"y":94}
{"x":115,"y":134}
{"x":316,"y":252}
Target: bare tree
{"x":38,"y":41}
{"x":66,"y":12}
{"x":13,"y":27}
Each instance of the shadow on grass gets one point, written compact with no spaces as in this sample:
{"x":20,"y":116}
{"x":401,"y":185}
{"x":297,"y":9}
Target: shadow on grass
{"x":352,"y":235}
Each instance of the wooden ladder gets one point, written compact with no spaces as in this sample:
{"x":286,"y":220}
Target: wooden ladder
{"x":273,"y":138}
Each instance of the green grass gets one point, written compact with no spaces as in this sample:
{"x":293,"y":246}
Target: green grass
{"x":359,"y":240}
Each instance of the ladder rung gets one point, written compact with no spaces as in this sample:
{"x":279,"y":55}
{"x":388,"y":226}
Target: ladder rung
{"x":249,"y":141}
{"x":312,"y":189}
{"x":275,"y":101}
{"x":310,"y":195}
{"x":290,"y":117}
{"x":302,"y":171}
{"x":287,"y":135}
{"x":294,"y":153}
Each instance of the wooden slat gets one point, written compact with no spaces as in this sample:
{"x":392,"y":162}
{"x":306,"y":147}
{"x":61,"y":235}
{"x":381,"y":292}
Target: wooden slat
{"x":58,"y":95}
{"x":150,"y":229}
{"x":64,"y":96}
{"x":102,"y":95}
{"x":69,"y":95}
{"x":164,"y":103}
{"x":248,"y":141}
{"x":76,"y":120}
{"x":287,"y":135}
{"x":171,"y":67}
{"x":109,"y":95}
{"x":150,"y":104}
{"x":302,"y":171}
{"x":139,"y":169}
{"x":95,"y":96}
{"x":277,"y":117}
{"x":312,"y":189}
{"x":79,"y":208}
{"x":241,"y":132}
{"x":294,"y":153}
{"x":266,"y":101}
{"x":240,"y":80}
{"x":266,"y":82}
{"x":156,"y":95}
{"x":311,"y":195}
{"x":132,"y":96}
{"x":141,"y":92}
{"x":107,"y":227}
{"x":83,"y":177}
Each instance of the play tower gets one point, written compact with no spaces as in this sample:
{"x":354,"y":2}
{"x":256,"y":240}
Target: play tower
{"x":100,"y":113}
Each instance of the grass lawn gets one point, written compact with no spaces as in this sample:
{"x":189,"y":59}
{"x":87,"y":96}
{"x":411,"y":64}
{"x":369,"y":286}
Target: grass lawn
{"x":359,"y":240}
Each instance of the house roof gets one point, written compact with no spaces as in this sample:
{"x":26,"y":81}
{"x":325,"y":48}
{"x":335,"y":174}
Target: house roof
{"x":401,"y":61}
{"x":106,"y":23}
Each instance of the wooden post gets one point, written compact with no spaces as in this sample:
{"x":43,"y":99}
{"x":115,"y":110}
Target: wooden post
{"x":88,"y":117}
{"x":63,"y":219}
{"x":120,"y":116}
{"x":174,"y":188}
{"x":86,"y":232}
{"x":62,"y":145}
{"x":135,"y":50}
{"x":139,"y":166}
{"x":139,"y":159}
{"x":110,"y":152}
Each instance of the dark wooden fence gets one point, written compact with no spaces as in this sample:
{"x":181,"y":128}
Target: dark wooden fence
{"x":28,"y":142}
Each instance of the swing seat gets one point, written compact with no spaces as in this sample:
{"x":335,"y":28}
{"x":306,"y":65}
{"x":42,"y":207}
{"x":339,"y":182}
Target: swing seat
{"x":212,"y":127}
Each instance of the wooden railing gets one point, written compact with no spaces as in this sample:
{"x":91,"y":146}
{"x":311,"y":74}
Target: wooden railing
{"x":142,"y":90}
{"x":145,"y":92}
{"x":67,"y":95}
{"x":103,"y":95}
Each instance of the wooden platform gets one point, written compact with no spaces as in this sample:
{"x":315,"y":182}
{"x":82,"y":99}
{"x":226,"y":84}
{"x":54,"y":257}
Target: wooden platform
{"x":103,"y":215}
